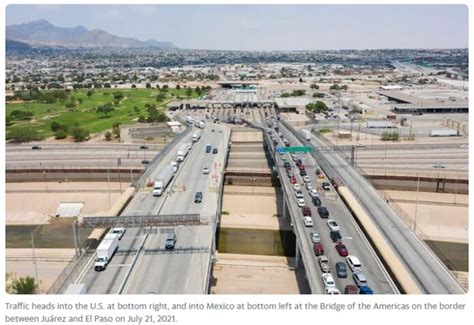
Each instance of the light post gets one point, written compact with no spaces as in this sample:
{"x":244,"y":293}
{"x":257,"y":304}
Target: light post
{"x":416,"y":205}
{"x":33,"y":233}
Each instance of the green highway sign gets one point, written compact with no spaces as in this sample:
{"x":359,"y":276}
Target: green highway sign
{"x":295,"y":149}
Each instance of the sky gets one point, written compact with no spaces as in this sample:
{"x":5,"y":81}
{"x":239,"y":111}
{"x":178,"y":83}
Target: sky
{"x":266,"y":27}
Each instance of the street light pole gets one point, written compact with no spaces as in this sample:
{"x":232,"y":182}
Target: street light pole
{"x":416,"y":205}
{"x":33,"y":233}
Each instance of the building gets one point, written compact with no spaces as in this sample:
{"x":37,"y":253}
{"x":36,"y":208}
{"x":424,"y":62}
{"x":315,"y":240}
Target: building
{"x":409,"y":104}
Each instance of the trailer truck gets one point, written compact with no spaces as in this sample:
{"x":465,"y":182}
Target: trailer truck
{"x":105,"y":251}
{"x":306,"y":134}
{"x":162,"y":180}
{"x":183,"y":151}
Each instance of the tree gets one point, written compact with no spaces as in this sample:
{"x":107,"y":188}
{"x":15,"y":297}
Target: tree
{"x":105,"y":109}
{"x":314,"y":86}
{"x":80,"y":134}
{"x":136,"y":109}
{"x":148,"y":85}
{"x":25,"y":134}
{"x":24,"y":286}
{"x":160,"y":97}
{"x":55,"y":126}
{"x":178,"y":87}
{"x":60,"y":134}
{"x":108,"y":136}
{"x":141,"y":119}
{"x":189,"y":92}
{"x":301,"y":80}
{"x":317,"y":107}
{"x":134,"y":86}
{"x":318,"y":95}
{"x":116,"y":131}
{"x":90,"y":93}
{"x":21,"y":115}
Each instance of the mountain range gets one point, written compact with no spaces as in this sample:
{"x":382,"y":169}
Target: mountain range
{"x":43,"y":33}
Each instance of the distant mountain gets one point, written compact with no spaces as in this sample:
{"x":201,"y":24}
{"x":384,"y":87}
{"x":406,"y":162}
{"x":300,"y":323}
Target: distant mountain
{"x":16,"y":46}
{"x":41,"y":32}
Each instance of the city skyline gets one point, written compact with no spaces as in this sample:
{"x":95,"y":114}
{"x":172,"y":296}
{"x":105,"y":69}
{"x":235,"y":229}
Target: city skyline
{"x":272,"y":27}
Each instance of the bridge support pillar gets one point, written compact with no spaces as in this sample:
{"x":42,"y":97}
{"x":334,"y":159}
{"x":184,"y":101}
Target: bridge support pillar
{"x":297,"y":254}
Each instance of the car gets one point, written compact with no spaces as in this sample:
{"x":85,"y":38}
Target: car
{"x":283,"y":158}
{"x":120,"y":231}
{"x":306,"y":211}
{"x":214,"y":151}
{"x":212,"y":130}
{"x":318,"y":172}
{"x":308,"y":222}
{"x":323,"y":212}
{"x":351,"y":289}
{"x":198,"y":197}
{"x":170,"y":240}
{"x":324,"y":263}
{"x":359,"y":279}
{"x":143,"y":147}
{"x":318,"y":248}
{"x":342,"y":249}
{"x":316,"y":201}
{"x":309,"y":186}
{"x":335,"y":236}
{"x":439,"y":165}
{"x":326,"y":186}
{"x":303,"y":172}
{"x":301,"y":203}
{"x":145,"y":162}
{"x":297,"y":187}
{"x":328,"y":280}
{"x":365,"y":290}
{"x":205,"y":170}
{"x":299,"y":194}
{"x":353,"y":263}
{"x":332,"y":291}
{"x":299,"y":162}
{"x":35,"y":147}
{"x":313,"y":193}
{"x":332,"y":224}
{"x":293,"y":180}
{"x":301,"y":166}
{"x":360,"y":145}
{"x":341,"y":270}
{"x":293,"y":157}
{"x":208,"y":148}
{"x":290,"y":174}
{"x":315,"y":238}
{"x":286,"y":164}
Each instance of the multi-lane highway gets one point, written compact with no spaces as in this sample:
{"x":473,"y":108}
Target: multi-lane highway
{"x":142,"y":264}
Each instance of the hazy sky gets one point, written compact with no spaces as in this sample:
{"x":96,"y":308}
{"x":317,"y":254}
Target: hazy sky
{"x":266,"y":27}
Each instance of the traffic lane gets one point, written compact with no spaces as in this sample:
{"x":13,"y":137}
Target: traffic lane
{"x":357,"y":246}
{"x":109,"y":280}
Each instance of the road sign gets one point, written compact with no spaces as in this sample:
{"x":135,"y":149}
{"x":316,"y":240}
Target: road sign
{"x":295,"y":149}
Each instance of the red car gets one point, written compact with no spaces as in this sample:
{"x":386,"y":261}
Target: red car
{"x":351,"y":290}
{"x":306,"y":211}
{"x":318,"y":249}
{"x":342,"y":250}
{"x":293,"y":180}
{"x":301,"y":167}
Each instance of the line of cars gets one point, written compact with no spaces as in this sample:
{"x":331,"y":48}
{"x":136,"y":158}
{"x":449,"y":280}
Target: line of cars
{"x":334,"y":231}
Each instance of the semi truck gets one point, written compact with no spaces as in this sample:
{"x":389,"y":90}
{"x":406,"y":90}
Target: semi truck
{"x":76,"y":289}
{"x":183,"y":151}
{"x":162,"y":180}
{"x":105,"y":251}
{"x":306,"y":134}
{"x":196,"y":136}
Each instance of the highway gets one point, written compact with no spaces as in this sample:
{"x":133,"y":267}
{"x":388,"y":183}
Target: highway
{"x":131,"y":268}
{"x":356,"y":243}
{"x":428,"y":271}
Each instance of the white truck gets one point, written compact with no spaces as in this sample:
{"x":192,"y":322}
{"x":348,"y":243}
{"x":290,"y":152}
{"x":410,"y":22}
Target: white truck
{"x":105,"y":251}
{"x":306,"y":134}
{"x":201,"y":125}
{"x":196,"y":136}
{"x":183,"y":151}
{"x":162,"y":180}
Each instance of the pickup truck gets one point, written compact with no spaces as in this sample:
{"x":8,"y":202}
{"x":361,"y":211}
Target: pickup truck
{"x":324,"y":263}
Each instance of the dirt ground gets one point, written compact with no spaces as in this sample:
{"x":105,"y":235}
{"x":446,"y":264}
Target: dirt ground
{"x":44,"y":199}
{"x":254,"y":274}
{"x":437,"y":216}
{"x":50,"y":263}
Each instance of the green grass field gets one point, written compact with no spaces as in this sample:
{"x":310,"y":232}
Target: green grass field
{"x":85,"y":115}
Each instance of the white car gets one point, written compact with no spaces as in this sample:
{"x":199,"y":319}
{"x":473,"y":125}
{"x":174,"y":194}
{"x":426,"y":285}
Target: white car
{"x":315,"y":238}
{"x":301,"y":203}
{"x":294,"y":157}
{"x":328,"y":280}
{"x":306,"y":179}
{"x":205,"y":170}
{"x":308,"y":222}
{"x":309,"y":186}
{"x":332,"y":291}
{"x":360,"y":145}
{"x":438,"y":165}
{"x":313,"y":193}
{"x":283,"y":158}
{"x":299,"y":194}
{"x":296,"y":187}
{"x":332,"y":224}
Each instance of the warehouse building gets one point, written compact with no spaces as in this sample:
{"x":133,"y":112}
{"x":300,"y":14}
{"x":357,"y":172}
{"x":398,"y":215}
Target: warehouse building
{"x":408,"y":104}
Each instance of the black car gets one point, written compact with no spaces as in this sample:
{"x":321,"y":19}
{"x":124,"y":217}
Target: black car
{"x":323,"y":212}
{"x":144,"y":147}
{"x":298,"y":162}
{"x":36,"y":147}
{"x":341,"y":270}
{"x":198,"y":197}
{"x":145,"y":162}
{"x":214,"y":151}
{"x":316,"y":201}
{"x":326,"y":186}
{"x":335,"y":236}
{"x":286,"y":164}
{"x":303,"y":172}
